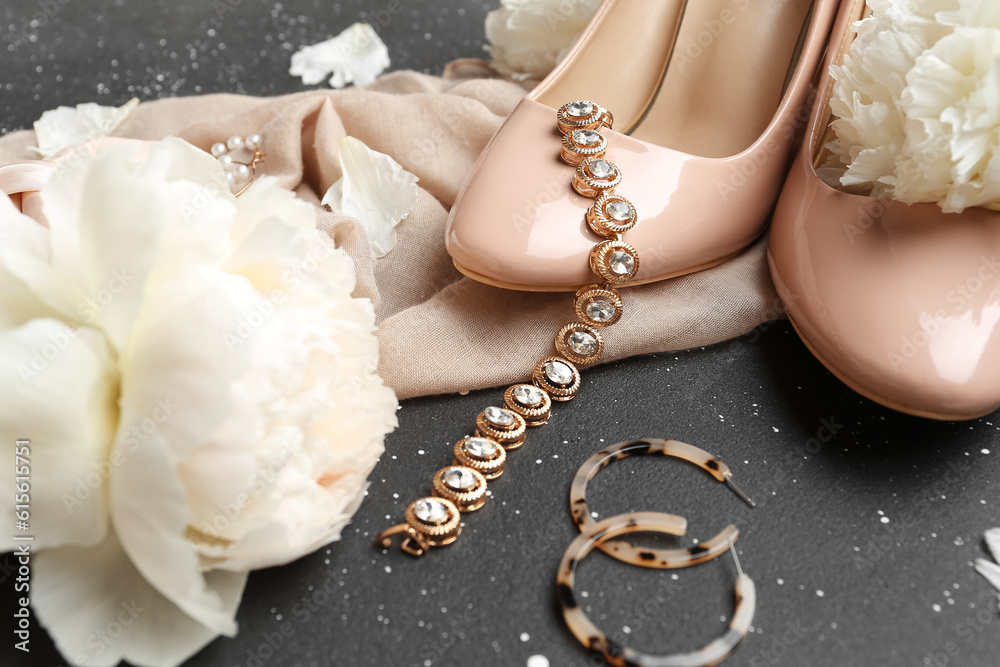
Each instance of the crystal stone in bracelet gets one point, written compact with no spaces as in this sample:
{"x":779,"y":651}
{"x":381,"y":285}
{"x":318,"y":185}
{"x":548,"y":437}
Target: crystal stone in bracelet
{"x":435,"y":520}
{"x":595,"y":176}
{"x":580,"y":343}
{"x":502,"y":425}
{"x":582,"y":114}
{"x":598,"y":306}
{"x":558,"y":377}
{"x":527,"y":400}
{"x":484,"y":455}
{"x":580,"y":144}
{"x":615,"y":261}
{"x":611,"y":215}
{"x":461,"y":485}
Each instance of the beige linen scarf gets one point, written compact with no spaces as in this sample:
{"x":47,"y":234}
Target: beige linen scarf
{"x":439,"y":331}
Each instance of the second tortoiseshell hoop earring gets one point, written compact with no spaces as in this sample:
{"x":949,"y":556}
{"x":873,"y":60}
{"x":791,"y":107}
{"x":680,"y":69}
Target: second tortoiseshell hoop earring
{"x":647,"y":557}
{"x":593,"y":638}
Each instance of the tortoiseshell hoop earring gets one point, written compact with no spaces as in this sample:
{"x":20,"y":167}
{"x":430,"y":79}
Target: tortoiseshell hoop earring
{"x":655,"y":558}
{"x":589,"y":635}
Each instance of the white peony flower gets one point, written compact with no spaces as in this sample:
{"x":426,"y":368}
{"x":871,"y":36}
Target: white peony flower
{"x":199,"y":390}
{"x":528,"y":38}
{"x":357,"y":55}
{"x":917,"y":103}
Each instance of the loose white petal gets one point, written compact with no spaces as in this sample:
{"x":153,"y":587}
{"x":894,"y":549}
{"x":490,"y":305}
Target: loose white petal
{"x":69,"y":126}
{"x":357,"y":55}
{"x":989,"y":570}
{"x":375,"y":190}
{"x":993,"y":542}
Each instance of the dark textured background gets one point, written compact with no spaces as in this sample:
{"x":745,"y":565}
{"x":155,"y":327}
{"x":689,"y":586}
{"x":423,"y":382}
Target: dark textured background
{"x":861,"y":550}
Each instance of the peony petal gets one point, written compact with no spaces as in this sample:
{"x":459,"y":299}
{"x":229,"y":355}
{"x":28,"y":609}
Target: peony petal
{"x":176,"y":373}
{"x":989,"y":570}
{"x":150,"y":517}
{"x":375,"y":190}
{"x":971,"y":14}
{"x":20,"y":235}
{"x":357,"y":55}
{"x":993,"y":542}
{"x":186,"y":347}
{"x":120,"y":254}
{"x":60,"y":393}
{"x":870,"y":166}
{"x":68,"y":126}
{"x":99,"y":610}
{"x":314,"y":488}
{"x":270,"y":235}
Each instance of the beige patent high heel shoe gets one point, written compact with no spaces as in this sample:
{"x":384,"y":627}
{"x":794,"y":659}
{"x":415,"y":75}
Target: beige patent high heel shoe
{"x":706,"y":97}
{"x":902,"y":303}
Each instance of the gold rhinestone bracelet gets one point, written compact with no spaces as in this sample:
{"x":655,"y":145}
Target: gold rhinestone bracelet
{"x":435,"y":521}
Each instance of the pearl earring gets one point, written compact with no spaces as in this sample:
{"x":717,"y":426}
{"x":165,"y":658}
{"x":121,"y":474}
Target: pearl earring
{"x":239,"y":175}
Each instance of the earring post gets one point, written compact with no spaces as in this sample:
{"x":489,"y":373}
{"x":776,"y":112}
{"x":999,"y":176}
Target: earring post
{"x":739,"y":492}
{"x":732,"y":548}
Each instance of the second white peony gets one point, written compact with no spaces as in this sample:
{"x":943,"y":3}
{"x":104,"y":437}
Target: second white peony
{"x":528,"y":38}
{"x":917,"y":101}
